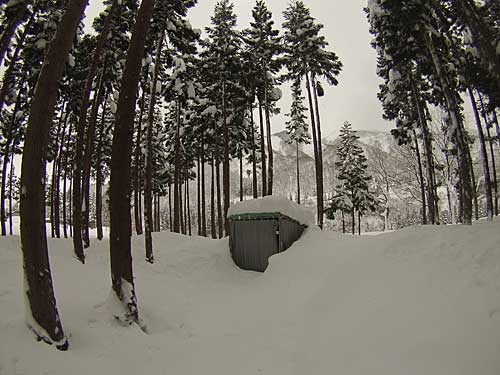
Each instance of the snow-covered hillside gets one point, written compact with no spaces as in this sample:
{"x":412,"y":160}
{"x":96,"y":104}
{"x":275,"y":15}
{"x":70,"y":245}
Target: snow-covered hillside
{"x":424,"y":300}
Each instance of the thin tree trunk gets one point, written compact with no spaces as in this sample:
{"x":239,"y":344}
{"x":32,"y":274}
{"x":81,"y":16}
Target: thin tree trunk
{"x":225,"y":164}
{"x":219,"y":203}
{"x":241,"y":175}
{"x":213,"y":231}
{"x":188,"y":208}
{"x":254,"y":157}
{"x":429,"y":163}
{"x":70,"y":213}
{"x":353,"y":217}
{"x":148,"y":181}
{"x":43,"y":317}
{"x":99,"y":178}
{"x":10,"y":28}
{"x":177,"y":170}
{"x":320,"y":183}
{"x":121,"y":229}
{"x":198,"y":195}
{"x":459,"y":130}
{"x":57,"y":182}
{"x":170,"y":207}
{"x":262,"y":153}
{"x":484,"y":156}
{"x":64,"y":164}
{"x":80,"y":137}
{"x":494,"y":182}
{"x":181,"y":208}
{"x":474,"y":188}
{"x":270,"y":164}
{"x":343,"y":222}
{"x":319,"y":214}
{"x":421,"y":178}
{"x":203,"y":195}
{"x":359,"y":223}
{"x":298,"y":171}
{"x":87,"y":161}
{"x":11,"y":186}
{"x":137,"y":168}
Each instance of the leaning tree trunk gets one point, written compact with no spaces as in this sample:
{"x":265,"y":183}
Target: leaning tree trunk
{"x":43,"y":317}
{"x":484,"y":157}
{"x":421,"y":178}
{"x":459,"y":130}
{"x":148,"y":181}
{"x":494,"y":183}
{"x":481,"y":35}
{"x":320,"y":158}
{"x":262,"y":152}
{"x":80,"y":137}
{"x":319,"y":214}
{"x":121,"y":227}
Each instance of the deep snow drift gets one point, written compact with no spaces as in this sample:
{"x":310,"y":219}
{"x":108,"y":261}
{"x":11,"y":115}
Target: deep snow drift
{"x":424,"y":300}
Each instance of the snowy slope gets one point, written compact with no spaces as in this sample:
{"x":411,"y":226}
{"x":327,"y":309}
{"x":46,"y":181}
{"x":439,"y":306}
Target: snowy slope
{"x":417,"y":301}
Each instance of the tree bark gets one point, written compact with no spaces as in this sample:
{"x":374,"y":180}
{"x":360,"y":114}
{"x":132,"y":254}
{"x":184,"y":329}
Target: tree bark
{"x":321,"y":205}
{"x":213,"y":231}
{"x":484,"y":157}
{"x":262,"y":153}
{"x":254,"y":157}
{"x":421,"y":178}
{"x":11,"y":186}
{"x":177,"y":170}
{"x":64,"y":165}
{"x":198,"y":194}
{"x":459,"y":130}
{"x":148,"y":181}
{"x":99,"y":179}
{"x":319,"y":214}
{"x":43,"y":317}
{"x":203,"y":194}
{"x":270,"y":164}
{"x":137,"y":168}
{"x":220,"y":221}
{"x":298,"y":171}
{"x":240,"y":156}
{"x":57,"y":182}
{"x":225,"y":165}
{"x":121,"y":229}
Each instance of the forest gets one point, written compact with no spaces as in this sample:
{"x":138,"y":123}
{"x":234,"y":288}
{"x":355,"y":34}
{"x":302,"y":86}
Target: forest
{"x":148,"y":124}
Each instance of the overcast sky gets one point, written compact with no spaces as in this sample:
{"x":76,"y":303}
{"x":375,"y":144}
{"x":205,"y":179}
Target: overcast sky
{"x":346,"y":30}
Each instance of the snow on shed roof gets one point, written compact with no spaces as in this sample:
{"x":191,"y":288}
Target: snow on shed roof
{"x":270,"y":204}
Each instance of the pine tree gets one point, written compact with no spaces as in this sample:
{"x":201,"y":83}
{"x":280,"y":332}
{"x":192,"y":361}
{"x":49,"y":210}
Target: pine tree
{"x":297,"y":128}
{"x":306,"y":56}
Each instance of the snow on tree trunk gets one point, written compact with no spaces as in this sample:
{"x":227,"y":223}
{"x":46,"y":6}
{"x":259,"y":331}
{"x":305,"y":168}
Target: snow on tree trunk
{"x":42,"y":315}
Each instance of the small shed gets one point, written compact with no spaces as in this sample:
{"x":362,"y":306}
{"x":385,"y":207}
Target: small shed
{"x":255,"y":234}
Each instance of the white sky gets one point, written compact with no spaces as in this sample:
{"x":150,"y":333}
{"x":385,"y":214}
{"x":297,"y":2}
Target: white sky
{"x":346,"y":29}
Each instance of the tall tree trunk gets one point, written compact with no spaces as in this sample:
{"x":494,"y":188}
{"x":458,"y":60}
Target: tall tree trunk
{"x":9,"y":73}
{"x":54,"y":173}
{"x":220,"y":224}
{"x":80,"y":137}
{"x":320,"y":193}
{"x":225,"y":165}
{"x":484,"y":157}
{"x":213,"y":231}
{"x":481,"y":34}
{"x":148,"y":181}
{"x":474,"y":188}
{"x":11,"y":186}
{"x":270,"y":164}
{"x":121,"y":227}
{"x":421,"y":178}
{"x":429,"y":163}
{"x":343,"y":222}
{"x":188,"y":208}
{"x":177,"y":169}
{"x":240,"y":156}
{"x":171,"y":225}
{"x":459,"y":130}
{"x":57,"y":180}
{"x":70,"y":212}
{"x":43,"y":317}
{"x":198,"y":195}
{"x":137,"y":168}
{"x":181,"y":208}
{"x":353,"y":218}
{"x":298,"y":171}
{"x":203,"y":195}
{"x":6,"y":153}
{"x":99,"y":178}
{"x":494,"y":177}
{"x":64,"y":165}
{"x":262,"y":152}
{"x":359,"y":223}
{"x":319,"y":214}
{"x":254,"y":157}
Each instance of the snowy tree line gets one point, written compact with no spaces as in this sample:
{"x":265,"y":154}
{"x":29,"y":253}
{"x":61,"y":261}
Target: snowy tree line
{"x":148,"y":105}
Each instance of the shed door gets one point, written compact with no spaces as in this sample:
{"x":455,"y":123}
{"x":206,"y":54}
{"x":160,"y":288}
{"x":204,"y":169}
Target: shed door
{"x":253,"y":242}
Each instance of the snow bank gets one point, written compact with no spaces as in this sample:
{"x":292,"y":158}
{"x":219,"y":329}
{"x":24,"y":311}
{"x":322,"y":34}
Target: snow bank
{"x":424,"y":300}
{"x":273,"y":203}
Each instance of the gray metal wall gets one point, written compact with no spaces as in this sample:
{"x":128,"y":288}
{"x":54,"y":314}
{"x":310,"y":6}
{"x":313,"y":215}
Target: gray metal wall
{"x":253,"y":241}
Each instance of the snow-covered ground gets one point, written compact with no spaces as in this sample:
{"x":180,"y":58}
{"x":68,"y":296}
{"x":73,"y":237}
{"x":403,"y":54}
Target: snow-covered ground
{"x":424,"y":300}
